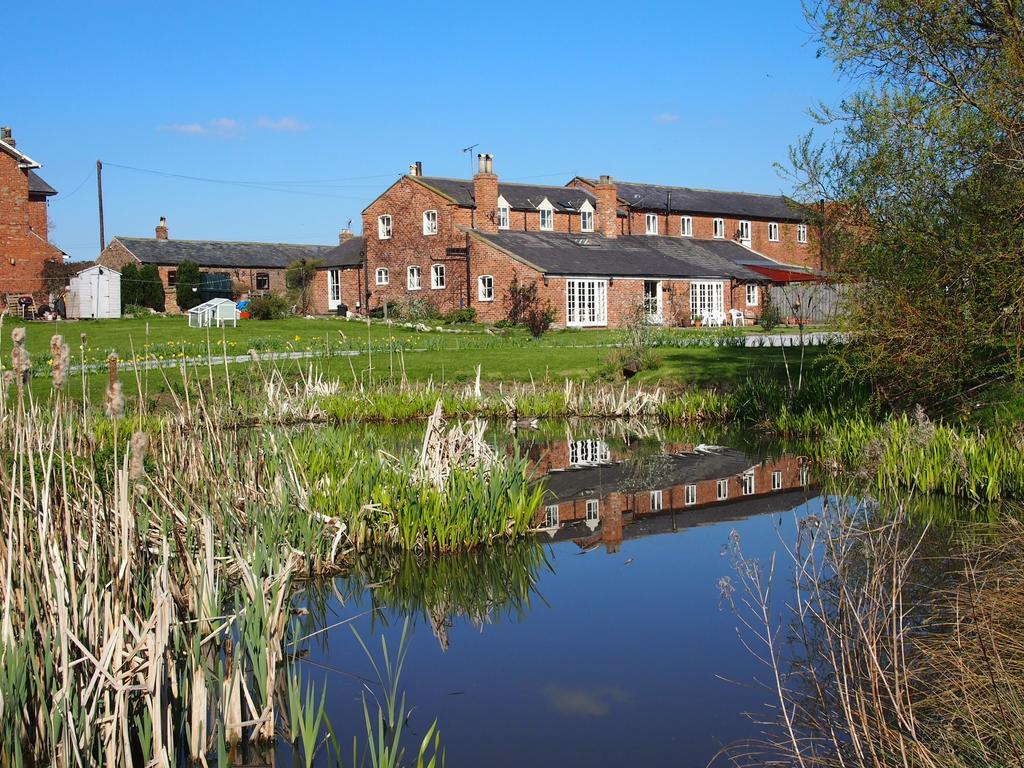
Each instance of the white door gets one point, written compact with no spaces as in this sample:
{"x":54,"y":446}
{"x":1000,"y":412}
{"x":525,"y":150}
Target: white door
{"x":333,"y":289}
{"x":652,"y":302}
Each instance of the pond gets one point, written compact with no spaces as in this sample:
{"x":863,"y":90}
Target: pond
{"x":602,"y":640}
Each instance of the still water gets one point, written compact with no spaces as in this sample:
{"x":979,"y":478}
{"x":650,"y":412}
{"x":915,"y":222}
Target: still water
{"x":603,"y":641}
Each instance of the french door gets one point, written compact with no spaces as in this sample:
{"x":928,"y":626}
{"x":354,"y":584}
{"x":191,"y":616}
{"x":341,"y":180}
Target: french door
{"x":333,"y":289}
{"x":652,"y":302}
{"x":586,"y":303}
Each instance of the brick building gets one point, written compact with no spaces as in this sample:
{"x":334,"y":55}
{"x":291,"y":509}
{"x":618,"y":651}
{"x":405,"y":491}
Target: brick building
{"x":253,"y":268}
{"x":25,"y":249}
{"x":598,"y":251}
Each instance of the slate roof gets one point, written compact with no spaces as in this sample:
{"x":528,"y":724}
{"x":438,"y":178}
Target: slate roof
{"x":748,"y":258}
{"x":655,"y":197}
{"x":217,"y":253}
{"x":36,"y":185}
{"x":347,"y":254}
{"x":592,"y":254}
{"x":522,"y":197}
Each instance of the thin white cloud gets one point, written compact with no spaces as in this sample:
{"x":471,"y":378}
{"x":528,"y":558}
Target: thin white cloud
{"x":666,"y":118}
{"x":222,"y":126}
{"x":284,"y":124}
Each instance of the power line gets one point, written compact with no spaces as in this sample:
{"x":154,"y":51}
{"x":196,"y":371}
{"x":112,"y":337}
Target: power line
{"x":62,"y":198}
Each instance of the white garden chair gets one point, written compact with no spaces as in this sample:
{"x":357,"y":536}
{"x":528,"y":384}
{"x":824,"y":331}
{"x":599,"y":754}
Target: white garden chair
{"x":716,"y":319}
{"x":737,"y":317}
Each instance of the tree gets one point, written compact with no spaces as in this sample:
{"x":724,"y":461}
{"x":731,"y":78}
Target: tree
{"x":299,"y":279}
{"x":152,"y":288}
{"x":131,"y":294}
{"x":922,"y":190}
{"x":520,"y":299}
{"x":187,"y":286}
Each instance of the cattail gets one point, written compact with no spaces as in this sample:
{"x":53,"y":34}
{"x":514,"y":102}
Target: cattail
{"x":137,"y":461}
{"x":21,"y":362}
{"x":61,"y":356}
{"x":115,"y":397}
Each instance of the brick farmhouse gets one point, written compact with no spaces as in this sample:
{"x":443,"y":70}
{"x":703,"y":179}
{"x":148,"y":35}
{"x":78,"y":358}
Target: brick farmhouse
{"x":25,"y":249}
{"x":599,"y":251}
{"x":254,"y":269}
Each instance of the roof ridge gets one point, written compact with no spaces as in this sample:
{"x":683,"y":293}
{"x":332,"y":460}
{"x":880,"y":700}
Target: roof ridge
{"x":702,"y":189}
{"x":509,"y":183}
{"x":228,"y":242}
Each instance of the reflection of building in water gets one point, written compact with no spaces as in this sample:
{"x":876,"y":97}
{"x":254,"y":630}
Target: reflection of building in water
{"x":592,"y":496}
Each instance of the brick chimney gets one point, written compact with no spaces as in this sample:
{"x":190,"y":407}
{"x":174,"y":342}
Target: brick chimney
{"x":161,"y":229}
{"x":344,"y":236}
{"x":7,"y":137}
{"x":416,"y":169}
{"x":607,"y":207}
{"x":485,"y":195}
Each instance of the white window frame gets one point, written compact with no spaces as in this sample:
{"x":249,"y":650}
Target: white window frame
{"x":586,"y":221}
{"x":503,"y":217}
{"x":551,"y":516}
{"x":753,"y":294}
{"x":686,"y":226}
{"x":547,"y":219}
{"x":429,"y":223}
{"x":586,"y":303}
{"x":410,"y":283}
{"x":744,"y":231}
{"x":777,"y":480}
{"x":333,"y":288}
{"x":801,"y":233}
{"x":805,"y":475}
{"x":593,"y":510}
{"x":384,"y":226}
{"x":773,"y":232}
{"x":485,"y":282}
{"x":718,"y":229}
{"x":706,"y":297}
{"x":657,"y":501}
{"x":748,"y":483}
{"x":690,"y":495}
{"x":437,"y":281}
{"x":589,"y":453}
{"x":723,"y":490}
{"x":382,"y":276}
{"x":651,"y":224}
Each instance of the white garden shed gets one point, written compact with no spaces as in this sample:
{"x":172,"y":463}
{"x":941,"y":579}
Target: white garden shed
{"x":215,"y":312}
{"x":94,"y":292}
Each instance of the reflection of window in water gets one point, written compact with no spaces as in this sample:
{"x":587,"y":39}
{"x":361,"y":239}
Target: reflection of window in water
{"x":690,"y":497}
{"x":551,"y":516}
{"x":589,"y":452}
{"x":748,"y":483}
{"x":804,"y":474}
{"x":776,"y":481}
{"x":656,"y":501}
{"x":593,"y":510}
{"x":723,"y":490}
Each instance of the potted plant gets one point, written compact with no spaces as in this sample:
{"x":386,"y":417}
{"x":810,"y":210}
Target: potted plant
{"x":698,"y":321}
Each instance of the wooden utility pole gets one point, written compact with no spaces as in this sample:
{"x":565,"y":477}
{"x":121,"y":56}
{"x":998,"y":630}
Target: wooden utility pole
{"x":99,"y":193}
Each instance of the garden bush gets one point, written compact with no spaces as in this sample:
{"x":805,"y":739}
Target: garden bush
{"x":270,"y":307}
{"x":464,"y":315}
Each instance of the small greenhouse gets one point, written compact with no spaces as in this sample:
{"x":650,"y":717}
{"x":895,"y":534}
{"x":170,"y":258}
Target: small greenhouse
{"x":213,"y":313}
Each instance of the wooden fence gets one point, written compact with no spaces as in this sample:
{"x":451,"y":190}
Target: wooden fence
{"x":815,"y":303}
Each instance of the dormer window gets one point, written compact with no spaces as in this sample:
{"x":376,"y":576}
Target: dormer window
{"x":502,"y":217}
{"x":547,"y":216}
{"x":773,"y":232}
{"x":384,"y":227}
{"x":744,"y":232}
{"x":718,"y":228}
{"x":801,"y":233}
{"x":430,"y":222}
{"x":686,"y":226}
{"x":652,"y":224}
{"x":586,"y":221}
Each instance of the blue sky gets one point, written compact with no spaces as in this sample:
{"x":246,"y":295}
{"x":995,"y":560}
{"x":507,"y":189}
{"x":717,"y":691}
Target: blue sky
{"x":310,"y":109}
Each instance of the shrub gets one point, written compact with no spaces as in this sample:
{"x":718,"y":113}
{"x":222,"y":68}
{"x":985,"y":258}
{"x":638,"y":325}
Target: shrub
{"x":539,"y":320}
{"x":520,"y":299}
{"x":464,"y":315}
{"x":386,"y":309}
{"x":270,"y":307}
{"x":299,"y":278}
{"x":771,"y":315}
{"x":419,"y":310}
{"x":134,"y":310}
{"x":187,"y":286}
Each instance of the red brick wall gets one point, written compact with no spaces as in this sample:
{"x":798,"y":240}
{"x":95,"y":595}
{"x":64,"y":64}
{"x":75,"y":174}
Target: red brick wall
{"x":351,"y":289}
{"x":23,"y":234}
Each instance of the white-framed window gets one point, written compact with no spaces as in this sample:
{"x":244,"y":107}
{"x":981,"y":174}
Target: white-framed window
{"x":437,"y":276}
{"x":805,"y":475}
{"x":485,"y":288}
{"x":593,"y":510}
{"x":547,"y":219}
{"x":690,"y":495}
{"x":412,"y":280}
{"x":686,"y":226}
{"x":589,"y":452}
{"x":801,"y":233}
{"x":776,"y":480}
{"x":718,"y":228}
{"x":748,"y":483}
{"x":384,"y":227}
{"x":651,"y":227}
{"x":382,"y":277}
{"x":586,"y":303}
{"x":656,"y":501}
{"x":333,"y":288}
{"x":744,"y":231}
{"x":430,"y":222}
{"x":753,"y":295}
{"x":723,"y":490}
{"x":503,"y":217}
{"x":773,"y":232}
{"x":551,"y":516}
{"x":586,"y":221}
{"x":706,"y":299}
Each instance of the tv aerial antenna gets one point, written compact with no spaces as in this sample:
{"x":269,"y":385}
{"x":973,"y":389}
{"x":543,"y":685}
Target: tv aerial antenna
{"x":469,"y":151}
